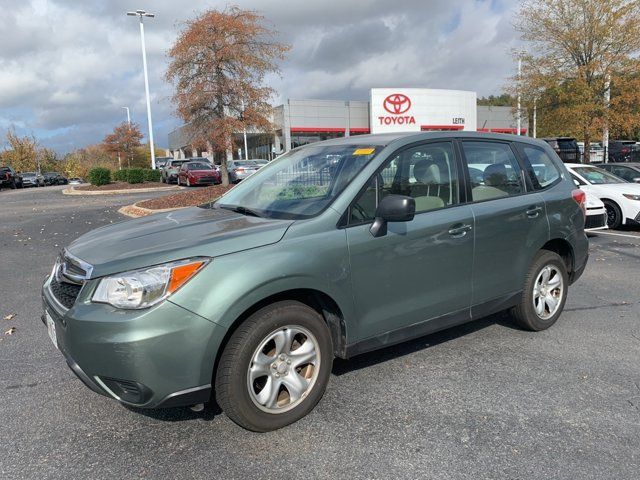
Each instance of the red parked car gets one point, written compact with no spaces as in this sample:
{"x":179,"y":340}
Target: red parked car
{"x":198,"y":173}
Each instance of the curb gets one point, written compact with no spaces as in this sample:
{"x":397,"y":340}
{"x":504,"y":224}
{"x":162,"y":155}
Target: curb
{"x":135,"y":211}
{"x":73,"y":191}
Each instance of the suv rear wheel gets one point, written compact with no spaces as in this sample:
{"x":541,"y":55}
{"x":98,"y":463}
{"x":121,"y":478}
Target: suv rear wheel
{"x":544,"y":293}
{"x":275,"y":367}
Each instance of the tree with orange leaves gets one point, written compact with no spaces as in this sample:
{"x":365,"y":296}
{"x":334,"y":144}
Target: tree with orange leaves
{"x":218,"y":65}
{"x":577,"y":49}
{"x":123,"y":141}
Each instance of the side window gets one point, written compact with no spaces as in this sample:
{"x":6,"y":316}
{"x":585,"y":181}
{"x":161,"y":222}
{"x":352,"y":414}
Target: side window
{"x":624,"y":172}
{"x":493,"y":169}
{"x":540,"y":167}
{"x":427,"y":173}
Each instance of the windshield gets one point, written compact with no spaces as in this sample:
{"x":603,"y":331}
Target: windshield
{"x":29,"y":174}
{"x":597,"y":176}
{"x":199,"y":166}
{"x":301,"y":183}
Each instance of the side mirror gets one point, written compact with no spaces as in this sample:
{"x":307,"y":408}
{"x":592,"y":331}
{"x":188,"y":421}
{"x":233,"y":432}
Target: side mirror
{"x":636,"y":180}
{"x":577,"y":183}
{"x":392,"y":208}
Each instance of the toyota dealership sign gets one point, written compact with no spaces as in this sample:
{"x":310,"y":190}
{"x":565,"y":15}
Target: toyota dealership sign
{"x":416,"y":109}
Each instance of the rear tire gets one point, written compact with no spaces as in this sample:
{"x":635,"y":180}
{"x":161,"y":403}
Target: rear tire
{"x":614,"y":214}
{"x":544,"y":293}
{"x":261,"y":383}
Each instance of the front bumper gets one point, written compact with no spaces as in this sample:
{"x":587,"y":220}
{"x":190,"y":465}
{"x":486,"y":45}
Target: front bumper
{"x":158,"y":357}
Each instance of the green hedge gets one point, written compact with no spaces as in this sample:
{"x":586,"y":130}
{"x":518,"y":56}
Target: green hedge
{"x":135,"y":175}
{"x":121,"y":175}
{"x":151,"y":175}
{"x":99,"y":176}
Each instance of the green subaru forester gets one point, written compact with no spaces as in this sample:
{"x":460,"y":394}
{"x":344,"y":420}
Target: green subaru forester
{"x":334,"y":249}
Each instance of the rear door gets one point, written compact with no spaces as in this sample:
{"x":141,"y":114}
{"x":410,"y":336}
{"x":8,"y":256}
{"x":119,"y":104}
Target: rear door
{"x":420,"y":272}
{"x":510,"y":222}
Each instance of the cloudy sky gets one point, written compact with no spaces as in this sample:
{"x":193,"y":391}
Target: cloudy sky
{"x":68,"y":66}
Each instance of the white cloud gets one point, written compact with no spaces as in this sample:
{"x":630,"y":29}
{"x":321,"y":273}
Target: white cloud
{"x":69,"y":66}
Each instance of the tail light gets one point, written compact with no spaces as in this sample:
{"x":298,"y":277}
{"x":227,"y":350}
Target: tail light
{"x":581,"y":198}
{"x":239,"y":170}
{"x":626,"y":150}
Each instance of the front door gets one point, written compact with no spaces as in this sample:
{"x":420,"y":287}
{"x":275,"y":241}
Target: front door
{"x":421,"y":270}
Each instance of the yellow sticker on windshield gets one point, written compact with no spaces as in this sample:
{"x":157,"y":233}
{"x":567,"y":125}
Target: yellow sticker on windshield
{"x":364,"y":151}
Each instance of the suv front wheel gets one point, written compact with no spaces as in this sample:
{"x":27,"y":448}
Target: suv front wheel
{"x":544,"y":294}
{"x":275,"y":367}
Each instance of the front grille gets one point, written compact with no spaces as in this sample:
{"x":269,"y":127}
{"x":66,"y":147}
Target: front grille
{"x":595,"y":221}
{"x":65,"y":293}
{"x":206,"y":179}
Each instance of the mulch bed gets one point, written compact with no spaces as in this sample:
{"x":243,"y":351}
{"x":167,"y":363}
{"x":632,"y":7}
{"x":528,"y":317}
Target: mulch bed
{"x":120,"y":186}
{"x":189,"y":198}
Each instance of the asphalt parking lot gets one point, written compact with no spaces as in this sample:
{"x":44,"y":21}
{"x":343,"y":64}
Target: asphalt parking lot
{"x":485,"y":400}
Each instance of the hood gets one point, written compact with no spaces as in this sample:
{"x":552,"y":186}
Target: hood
{"x":176,"y":235}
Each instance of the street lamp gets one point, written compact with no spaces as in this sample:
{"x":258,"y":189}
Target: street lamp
{"x":141,"y":14}
{"x":128,"y":116}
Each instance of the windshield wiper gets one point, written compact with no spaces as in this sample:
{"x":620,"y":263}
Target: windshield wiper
{"x":242,"y":210}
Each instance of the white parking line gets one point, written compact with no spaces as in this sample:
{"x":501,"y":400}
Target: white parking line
{"x":617,"y":234}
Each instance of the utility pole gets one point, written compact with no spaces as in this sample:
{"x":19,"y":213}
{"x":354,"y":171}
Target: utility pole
{"x":605,"y":133}
{"x":535,"y":117}
{"x":128,"y":116}
{"x":141,"y":14}
{"x":519,"y":114}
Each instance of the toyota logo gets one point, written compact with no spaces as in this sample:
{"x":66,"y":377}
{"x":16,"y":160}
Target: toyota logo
{"x":397,"y":103}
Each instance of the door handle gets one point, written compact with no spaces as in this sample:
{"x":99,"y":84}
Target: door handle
{"x":459,"y":230}
{"x":534,"y":211}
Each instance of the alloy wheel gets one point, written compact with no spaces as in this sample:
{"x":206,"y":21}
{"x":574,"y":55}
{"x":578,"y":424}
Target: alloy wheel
{"x":547,"y":292}
{"x":283,"y":369}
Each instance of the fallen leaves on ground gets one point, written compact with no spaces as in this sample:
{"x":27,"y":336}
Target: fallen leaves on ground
{"x":11,"y":331}
{"x":10,"y":316}
{"x":188,"y":198}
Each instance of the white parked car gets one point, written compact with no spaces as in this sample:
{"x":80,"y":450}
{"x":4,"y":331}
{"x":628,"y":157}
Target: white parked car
{"x":596,"y":213}
{"x":621,"y":198}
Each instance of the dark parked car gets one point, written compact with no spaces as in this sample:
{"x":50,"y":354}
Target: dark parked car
{"x":249,"y":299}
{"x":9,"y":178}
{"x":566,"y":147}
{"x":54,"y":178}
{"x":623,"y":151}
{"x":627,"y":171}
{"x":32,"y":179}
{"x":198,"y":173}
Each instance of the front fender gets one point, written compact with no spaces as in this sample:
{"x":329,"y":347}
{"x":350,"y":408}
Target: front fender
{"x":233,"y":283}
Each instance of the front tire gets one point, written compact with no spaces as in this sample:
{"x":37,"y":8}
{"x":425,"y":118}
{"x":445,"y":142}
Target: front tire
{"x":544,"y":293}
{"x":614,"y":214}
{"x":275,"y":367}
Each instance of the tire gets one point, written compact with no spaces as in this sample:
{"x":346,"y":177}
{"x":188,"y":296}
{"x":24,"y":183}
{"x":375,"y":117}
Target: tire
{"x":614,"y":214}
{"x":240,"y":398}
{"x":13,"y":185}
{"x":525,"y":313}
{"x":162,"y":180}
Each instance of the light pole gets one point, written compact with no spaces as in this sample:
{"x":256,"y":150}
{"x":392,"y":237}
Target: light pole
{"x":141,"y":14}
{"x":519,"y":117}
{"x":128,"y":116}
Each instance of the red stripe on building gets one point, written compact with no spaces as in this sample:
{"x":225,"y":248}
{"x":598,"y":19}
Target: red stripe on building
{"x":317,"y":129}
{"x":426,"y":128}
{"x":523,"y":131}
{"x":359,"y":130}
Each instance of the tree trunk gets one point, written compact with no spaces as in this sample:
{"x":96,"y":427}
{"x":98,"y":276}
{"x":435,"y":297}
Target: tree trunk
{"x":224,"y":172}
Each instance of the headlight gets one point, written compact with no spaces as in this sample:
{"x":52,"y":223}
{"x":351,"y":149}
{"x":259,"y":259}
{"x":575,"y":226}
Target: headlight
{"x":144,"y":288}
{"x":631,"y":196}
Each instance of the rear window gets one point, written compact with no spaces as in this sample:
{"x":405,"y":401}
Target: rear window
{"x":541,"y":169}
{"x":567,"y":144}
{"x":199,"y":166}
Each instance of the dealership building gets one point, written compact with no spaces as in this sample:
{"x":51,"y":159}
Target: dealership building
{"x":299,"y":122}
